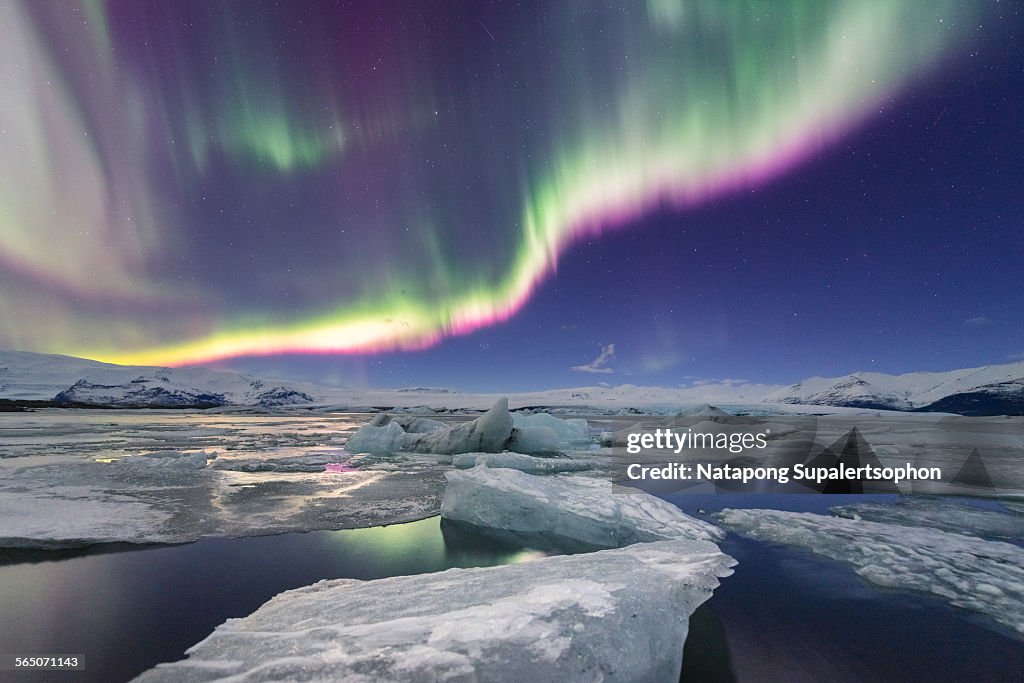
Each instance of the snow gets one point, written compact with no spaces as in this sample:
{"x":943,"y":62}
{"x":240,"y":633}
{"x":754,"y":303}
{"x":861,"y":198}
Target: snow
{"x":25,"y":376}
{"x":938,"y":513}
{"x":523,"y":463}
{"x":45,"y":377}
{"x":972,"y":573}
{"x":617,"y":613}
{"x":902,"y":392}
{"x":564,"y":507}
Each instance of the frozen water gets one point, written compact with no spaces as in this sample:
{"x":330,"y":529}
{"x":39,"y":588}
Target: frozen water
{"x":521,"y":462}
{"x":938,"y":513}
{"x":72,"y":478}
{"x":979,"y":575}
{"x":378,"y":440}
{"x":489,"y":433}
{"x":580,"y":509}
{"x":408,"y":423}
{"x":195,"y":461}
{"x":534,"y":440}
{"x":494,"y":431}
{"x":387,"y":434}
{"x":620,"y":614}
{"x":567,"y":432}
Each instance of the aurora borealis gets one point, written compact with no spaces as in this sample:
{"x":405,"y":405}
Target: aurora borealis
{"x":194,"y":181}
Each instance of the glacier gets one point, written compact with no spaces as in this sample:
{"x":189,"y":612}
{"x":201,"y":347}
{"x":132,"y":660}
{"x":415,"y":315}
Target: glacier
{"x":979,"y":575}
{"x":620,"y":614}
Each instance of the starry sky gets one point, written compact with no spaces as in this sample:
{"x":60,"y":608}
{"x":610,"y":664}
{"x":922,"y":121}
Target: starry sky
{"x":514,"y":195}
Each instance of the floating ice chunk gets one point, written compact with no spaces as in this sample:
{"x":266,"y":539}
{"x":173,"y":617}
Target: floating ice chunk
{"x":314,"y":462}
{"x":563,"y":507}
{"x":620,"y":437}
{"x":534,"y":440}
{"x":489,"y":433}
{"x":386,"y":434}
{"x":983,"y":576}
{"x":939,"y":514}
{"x":567,"y":618}
{"x":568,"y":432}
{"x":168,"y":458}
{"x":70,"y":516}
{"x":409,"y":423}
{"x":523,"y":463}
{"x":383,"y":440}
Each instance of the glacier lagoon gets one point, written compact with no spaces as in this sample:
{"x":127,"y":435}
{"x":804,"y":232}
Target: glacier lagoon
{"x":277,"y":473}
{"x":126,"y":610}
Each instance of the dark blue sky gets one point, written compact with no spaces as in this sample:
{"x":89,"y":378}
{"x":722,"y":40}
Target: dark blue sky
{"x":899,"y":249}
{"x":514,"y":195}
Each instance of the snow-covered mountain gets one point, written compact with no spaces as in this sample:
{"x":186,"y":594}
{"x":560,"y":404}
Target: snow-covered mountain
{"x":988,"y":390}
{"x":64,"y":379}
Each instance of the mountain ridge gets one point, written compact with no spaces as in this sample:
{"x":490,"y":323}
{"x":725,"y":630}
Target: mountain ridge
{"x":66,"y":380}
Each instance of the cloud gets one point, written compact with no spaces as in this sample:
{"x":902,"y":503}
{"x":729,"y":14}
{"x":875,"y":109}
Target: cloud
{"x":599,"y":364}
{"x":977,"y":321}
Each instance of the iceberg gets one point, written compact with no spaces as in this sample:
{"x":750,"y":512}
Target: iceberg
{"x":563,"y":508}
{"x":568,"y":432}
{"x":972,"y":573}
{"x":409,"y":423}
{"x":492,"y":432}
{"x":377,"y":440}
{"x":489,"y":433}
{"x":387,"y":434}
{"x":534,"y":440}
{"x":621,"y":613}
{"x":521,"y":462}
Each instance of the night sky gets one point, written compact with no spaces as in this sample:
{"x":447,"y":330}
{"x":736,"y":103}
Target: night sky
{"x":514,"y":195}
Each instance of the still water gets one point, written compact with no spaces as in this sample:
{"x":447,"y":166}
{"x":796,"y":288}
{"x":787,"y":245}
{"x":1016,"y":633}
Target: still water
{"x":785,"y":615}
{"x":128,"y":610}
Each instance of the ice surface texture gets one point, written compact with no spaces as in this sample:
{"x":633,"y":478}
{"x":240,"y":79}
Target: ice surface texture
{"x":523,"y":463}
{"x":568,"y":432}
{"x":983,"y":576}
{"x":562,"y":506}
{"x":619,"y":614}
{"x":939,"y":514}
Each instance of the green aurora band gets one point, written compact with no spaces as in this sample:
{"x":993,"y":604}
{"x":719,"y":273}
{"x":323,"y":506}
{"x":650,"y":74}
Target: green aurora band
{"x":385,"y":198}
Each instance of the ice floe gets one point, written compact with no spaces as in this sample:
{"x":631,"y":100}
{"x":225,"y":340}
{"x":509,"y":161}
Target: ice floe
{"x":938,"y":513}
{"x":563,"y":508}
{"x":979,"y":575}
{"x":619,"y":614}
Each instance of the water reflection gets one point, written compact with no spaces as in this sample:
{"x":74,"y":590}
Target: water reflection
{"x":127,"y":611}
